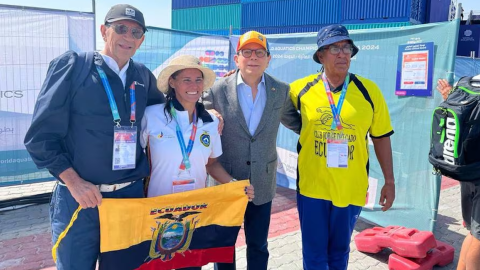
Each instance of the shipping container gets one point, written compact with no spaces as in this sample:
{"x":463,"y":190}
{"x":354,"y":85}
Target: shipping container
{"x":290,"y":13}
{"x":375,"y":25}
{"x":207,"y":18}
{"x":252,"y":1}
{"x":469,"y":40}
{"x":418,"y":12}
{"x":437,"y":10}
{"x":283,"y":29}
{"x":315,"y":28}
{"x":221,"y":32}
{"x":180,"y":4}
{"x":383,"y":11}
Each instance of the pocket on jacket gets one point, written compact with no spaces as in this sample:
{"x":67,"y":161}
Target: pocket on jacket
{"x":272,"y":166}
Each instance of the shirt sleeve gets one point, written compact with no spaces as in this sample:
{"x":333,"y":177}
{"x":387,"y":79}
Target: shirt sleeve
{"x":291,"y":119}
{"x":45,"y":137}
{"x":144,"y":133}
{"x":381,"y":124}
{"x":295,"y":88}
{"x":215,"y":140}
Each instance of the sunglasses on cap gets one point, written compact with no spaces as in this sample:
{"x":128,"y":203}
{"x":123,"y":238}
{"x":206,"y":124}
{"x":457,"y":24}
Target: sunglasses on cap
{"x":259,"y":53}
{"x":122,"y":29}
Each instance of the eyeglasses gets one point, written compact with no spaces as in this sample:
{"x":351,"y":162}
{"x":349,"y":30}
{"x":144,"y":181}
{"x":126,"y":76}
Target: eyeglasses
{"x":122,"y":29}
{"x":347,"y":49}
{"x":259,"y":53}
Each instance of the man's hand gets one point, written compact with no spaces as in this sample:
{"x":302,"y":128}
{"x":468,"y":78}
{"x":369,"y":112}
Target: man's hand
{"x":250,"y":192}
{"x":444,"y":88}
{"x":229,"y":73}
{"x":85,"y":193}
{"x":220,"y":118}
{"x":387,"y":196}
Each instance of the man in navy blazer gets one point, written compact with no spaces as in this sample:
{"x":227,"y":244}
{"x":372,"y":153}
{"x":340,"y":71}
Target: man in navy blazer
{"x":252,"y":104}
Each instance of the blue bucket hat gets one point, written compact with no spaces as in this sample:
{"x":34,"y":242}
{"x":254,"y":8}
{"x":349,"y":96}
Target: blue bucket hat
{"x":332,"y":34}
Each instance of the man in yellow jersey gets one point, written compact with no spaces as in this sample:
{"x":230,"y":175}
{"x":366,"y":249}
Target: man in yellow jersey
{"x":338,"y":110}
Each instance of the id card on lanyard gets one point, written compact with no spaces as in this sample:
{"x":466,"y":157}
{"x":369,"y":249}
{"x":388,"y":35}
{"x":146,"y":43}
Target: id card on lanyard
{"x":183,"y":180}
{"x":124,"y":137}
{"x":337,"y":149}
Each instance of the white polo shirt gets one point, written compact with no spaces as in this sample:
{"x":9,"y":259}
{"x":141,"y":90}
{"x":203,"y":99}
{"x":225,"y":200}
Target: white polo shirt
{"x":165,"y":151}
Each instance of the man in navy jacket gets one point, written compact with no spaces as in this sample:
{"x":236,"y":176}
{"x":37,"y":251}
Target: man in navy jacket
{"x":76,"y":133}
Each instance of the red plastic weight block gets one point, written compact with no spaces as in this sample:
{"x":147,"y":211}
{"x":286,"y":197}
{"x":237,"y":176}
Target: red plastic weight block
{"x":403,"y":241}
{"x":441,"y":256}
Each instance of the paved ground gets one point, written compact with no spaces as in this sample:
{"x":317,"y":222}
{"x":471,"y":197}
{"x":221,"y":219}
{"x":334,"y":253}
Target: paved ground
{"x":25,"y":237}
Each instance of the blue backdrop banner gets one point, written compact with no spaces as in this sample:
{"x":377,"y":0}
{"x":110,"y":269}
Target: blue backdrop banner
{"x":31,"y":38}
{"x":417,"y":189}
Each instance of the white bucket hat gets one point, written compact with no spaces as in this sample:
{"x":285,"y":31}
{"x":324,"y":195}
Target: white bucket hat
{"x":184,"y":62}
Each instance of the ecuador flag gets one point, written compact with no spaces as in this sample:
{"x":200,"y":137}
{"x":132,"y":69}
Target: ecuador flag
{"x":173,"y":231}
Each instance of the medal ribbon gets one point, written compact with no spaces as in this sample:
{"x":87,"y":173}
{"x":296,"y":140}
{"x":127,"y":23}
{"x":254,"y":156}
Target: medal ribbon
{"x":336,"y":123}
{"x":185,"y":150}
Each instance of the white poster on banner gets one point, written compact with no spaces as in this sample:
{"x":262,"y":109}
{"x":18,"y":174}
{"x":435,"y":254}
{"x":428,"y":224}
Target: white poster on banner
{"x":287,"y":162}
{"x":371,"y":198}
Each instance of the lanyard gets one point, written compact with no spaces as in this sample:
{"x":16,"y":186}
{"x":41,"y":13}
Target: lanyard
{"x":185,"y":150}
{"x":111,"y":98}
{"x":336,"y":124}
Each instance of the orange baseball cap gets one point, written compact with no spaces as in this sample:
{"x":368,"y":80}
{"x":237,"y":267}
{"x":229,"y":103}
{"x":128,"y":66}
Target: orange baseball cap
{"x":252,"y":37}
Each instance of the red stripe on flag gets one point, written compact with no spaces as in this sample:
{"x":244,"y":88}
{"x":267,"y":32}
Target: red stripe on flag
{"x":192,"y":258}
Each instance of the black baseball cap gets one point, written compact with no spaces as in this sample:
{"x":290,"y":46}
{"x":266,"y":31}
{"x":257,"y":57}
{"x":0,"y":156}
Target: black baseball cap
{"x":125,"y":12}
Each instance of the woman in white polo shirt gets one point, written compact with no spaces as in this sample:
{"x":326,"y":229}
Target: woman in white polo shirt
{"x":181,"y":163}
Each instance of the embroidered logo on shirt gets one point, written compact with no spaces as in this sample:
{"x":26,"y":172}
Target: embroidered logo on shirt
{"x":205,"y":139}
{"x":166,"y":136}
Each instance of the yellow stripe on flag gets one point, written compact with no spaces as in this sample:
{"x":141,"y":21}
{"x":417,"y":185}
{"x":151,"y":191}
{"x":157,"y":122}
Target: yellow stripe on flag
{"x":62,"y":235}
{"x":128,"y":222}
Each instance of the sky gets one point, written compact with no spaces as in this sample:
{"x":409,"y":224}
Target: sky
{"x":157,"y":13}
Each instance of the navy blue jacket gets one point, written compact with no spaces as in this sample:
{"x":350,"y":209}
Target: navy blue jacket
{"x":72,"y":125}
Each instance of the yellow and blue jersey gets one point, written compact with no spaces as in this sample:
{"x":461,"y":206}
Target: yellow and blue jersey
{"x":362,"y":114}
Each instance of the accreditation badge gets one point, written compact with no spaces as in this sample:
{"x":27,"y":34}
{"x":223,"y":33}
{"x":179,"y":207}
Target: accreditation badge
{"x":183,"y":181}
{"x":124,"y":147}
{"x":337,"y":153}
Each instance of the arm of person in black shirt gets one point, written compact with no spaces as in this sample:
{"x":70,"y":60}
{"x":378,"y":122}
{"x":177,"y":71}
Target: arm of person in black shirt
{"x":45,"y":137}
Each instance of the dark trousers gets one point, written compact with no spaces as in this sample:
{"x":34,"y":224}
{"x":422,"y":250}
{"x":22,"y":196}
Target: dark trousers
{"x":80,"y":248}
{"x":256,"y":224}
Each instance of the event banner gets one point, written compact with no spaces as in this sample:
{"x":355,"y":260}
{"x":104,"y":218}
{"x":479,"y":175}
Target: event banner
{"x":417,"y":189}
{"x":174,"y":231}
{"x":212,"y":51}
{"x":24,"y":61}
